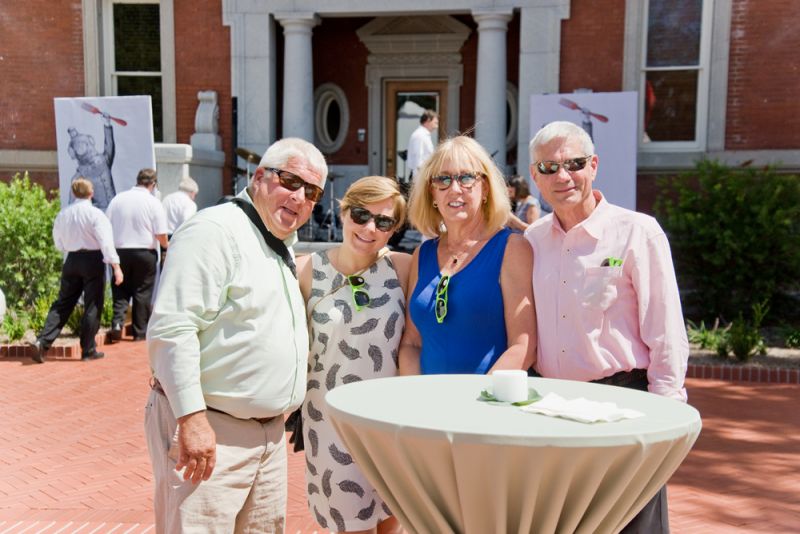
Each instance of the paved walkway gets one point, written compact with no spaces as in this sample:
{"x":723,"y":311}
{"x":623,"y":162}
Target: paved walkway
{"x":73,"y":458}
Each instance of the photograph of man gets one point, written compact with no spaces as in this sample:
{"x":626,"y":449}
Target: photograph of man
{"x":93,"y":165}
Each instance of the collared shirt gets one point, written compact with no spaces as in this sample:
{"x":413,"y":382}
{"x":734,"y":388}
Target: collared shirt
{"x":136,"y":217}
{"x":81,"y":226}
{"x":595,"y":320}
{"x":179,"y":206}
{"x":420,"y":148}
{"x":228,"y":328}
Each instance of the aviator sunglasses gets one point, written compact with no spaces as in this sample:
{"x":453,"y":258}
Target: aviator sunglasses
{"x":360,"y":296}
{"x":466,"y":179}
{"x":360,"y":216}
{"x":441,"y":298}
{"x":570,"y":165}
{"x":292,"y":182}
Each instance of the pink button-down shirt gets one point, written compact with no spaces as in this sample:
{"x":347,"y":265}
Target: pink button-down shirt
{"x":594,"y":320}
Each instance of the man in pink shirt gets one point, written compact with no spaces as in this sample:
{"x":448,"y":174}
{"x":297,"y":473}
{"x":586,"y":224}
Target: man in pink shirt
{"x":607,"y":303}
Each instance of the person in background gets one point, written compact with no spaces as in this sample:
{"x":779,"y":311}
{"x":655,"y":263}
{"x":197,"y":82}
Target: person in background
{"x":228,"y":346}
{"x":476,"y":272}
{"x":355,"y":299}
{"x":84,"y":233}
{"x":605,"y":278}
{"x":180,"y":205}
{"x":420,"y":144}
{"x":139,"y":225}
{"x":526,"y":206}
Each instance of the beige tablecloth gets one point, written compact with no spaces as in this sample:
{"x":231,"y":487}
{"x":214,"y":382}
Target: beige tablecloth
{"x":445,"y":462}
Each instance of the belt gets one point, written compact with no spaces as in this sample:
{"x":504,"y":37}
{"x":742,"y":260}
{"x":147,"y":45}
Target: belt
{"x":155,"y":385}
{"x":624,"y":378}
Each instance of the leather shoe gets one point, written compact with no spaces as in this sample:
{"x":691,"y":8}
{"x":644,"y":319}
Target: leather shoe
{"x":115,"y":334}
{"x":139,"y":338}
{"x":39,"y":350}
{"x":92,"y":356}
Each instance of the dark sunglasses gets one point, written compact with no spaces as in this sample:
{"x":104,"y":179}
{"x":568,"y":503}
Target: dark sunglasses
{"x":360,"y":296}
{"x":292,"y":182}
{"x":467,"y":179}
{"x":441,"y":298}
{"x":360,"y":215}
{"x":570,"y":165}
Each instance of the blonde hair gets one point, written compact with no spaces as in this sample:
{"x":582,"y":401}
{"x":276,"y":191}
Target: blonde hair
{"x":467,"y":154}
{"x":371,"y":189}
{"x":82,"y":188}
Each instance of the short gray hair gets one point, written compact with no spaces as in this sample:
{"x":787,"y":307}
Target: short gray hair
{"x":560,"y":130}
{"x":188,"y":185}
{"x":280,"y":152}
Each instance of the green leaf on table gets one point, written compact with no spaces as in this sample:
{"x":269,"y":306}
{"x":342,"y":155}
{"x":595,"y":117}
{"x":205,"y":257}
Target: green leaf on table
{"x":533,"y":396}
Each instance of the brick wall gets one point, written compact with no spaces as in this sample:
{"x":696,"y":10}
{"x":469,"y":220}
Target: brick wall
{"x":203,"y":63}
{"x":763,"y":76}
{"x":592,"y":42}
{"x":41,"y":57}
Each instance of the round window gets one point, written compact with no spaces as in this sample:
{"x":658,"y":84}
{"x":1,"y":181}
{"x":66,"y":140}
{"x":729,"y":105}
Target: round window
{"x":331,"y":117}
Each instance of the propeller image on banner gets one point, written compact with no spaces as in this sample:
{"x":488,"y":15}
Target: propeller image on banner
{"x":91,"y":109}
{"x":588,"y":115}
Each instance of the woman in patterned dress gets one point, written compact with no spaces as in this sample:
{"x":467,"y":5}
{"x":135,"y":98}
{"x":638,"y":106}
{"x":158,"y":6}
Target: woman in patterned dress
{"x":355,"y":296}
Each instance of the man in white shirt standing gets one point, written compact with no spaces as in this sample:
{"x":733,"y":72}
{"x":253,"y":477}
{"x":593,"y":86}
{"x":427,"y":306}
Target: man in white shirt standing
{"x":180,"y":205}
{"x":420,"y":144}
{"x":139,"y":225}
{"x":84,"y":233}
{"x":228,"y":347}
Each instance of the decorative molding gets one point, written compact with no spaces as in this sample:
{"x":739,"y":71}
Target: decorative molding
{"x":206,"y":122}
{"x":414,"y":35}
{"x":415,"y":59}
{"x":324,"y":96}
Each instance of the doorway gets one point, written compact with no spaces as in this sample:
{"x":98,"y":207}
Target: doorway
{"x":404,"y":103}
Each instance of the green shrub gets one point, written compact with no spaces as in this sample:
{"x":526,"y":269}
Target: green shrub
{"x":791,"y":337}
{"x":15,"y":324}
{"x":707,"y":338}
{"x":735,"y":235}
{"x":30,"y":265}
{"x":744,"y":336}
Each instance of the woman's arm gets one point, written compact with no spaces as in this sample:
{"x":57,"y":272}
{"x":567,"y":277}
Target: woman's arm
{"x":304,"y":267}
{"x":411,"y":342}
{"x":515,"y":223}
{"x":517,"y":286}
{"x":532,"y":213}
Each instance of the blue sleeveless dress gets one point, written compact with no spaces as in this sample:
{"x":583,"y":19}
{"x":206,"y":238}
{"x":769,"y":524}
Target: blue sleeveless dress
{"x":473,"y":334}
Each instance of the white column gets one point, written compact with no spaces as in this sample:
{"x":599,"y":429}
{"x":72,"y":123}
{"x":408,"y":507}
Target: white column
{"x":490,"y":86}
{"x":298,"y":83}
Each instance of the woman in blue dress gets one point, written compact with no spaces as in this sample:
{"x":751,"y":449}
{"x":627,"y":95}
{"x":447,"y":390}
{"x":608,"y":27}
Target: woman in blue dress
{"x":471,"y":309}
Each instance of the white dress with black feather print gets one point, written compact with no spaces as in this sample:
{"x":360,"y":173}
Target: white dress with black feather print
{"x":346,"y":346}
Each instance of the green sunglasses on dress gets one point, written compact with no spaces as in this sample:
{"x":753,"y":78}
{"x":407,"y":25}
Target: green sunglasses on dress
{"x":360,"y":296}
{"x":441,"y":298}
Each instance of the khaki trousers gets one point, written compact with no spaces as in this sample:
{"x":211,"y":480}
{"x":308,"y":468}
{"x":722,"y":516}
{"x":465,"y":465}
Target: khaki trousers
{"x":247,"y":490}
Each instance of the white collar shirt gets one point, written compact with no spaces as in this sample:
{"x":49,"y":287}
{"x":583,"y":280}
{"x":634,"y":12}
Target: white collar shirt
{"x":81,"y":226}
{"x":178,"y":206}
{"x":136,"y":217}
{"x":228,"y":328}
{"x":420,"y":148}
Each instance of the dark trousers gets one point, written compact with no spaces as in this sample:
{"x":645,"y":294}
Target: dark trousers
{"x":654,"y":517}
{"x":83,"y":272}
{"x":139,"y":270}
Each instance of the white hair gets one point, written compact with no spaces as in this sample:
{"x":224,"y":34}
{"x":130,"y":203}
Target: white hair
{"x":560,"y":130}
{"x":280,"y":152}
{"x":188,"y":185}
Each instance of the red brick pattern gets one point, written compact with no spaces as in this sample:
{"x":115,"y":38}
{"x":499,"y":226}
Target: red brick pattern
{"x":763,"y":39}
{"x":745,"y":373}
{"x":73,"y":455}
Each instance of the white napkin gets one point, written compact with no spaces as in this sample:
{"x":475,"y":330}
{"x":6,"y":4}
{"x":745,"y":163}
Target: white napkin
{"x":580,"y":409}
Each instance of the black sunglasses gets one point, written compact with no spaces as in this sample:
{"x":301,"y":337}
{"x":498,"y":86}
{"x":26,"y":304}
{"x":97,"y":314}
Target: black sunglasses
{"x":292,"y":182}
{"x":360,"y":215}
{"x":467,"y":179}
{"x":570,"y":165}
{"x":360,"y":296}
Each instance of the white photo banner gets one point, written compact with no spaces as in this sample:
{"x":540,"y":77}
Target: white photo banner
{"x":611,"y":121}
{"x":107,"y":140}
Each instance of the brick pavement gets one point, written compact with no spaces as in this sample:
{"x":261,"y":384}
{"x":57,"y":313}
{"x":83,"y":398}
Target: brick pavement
{"x":73,"y":458}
